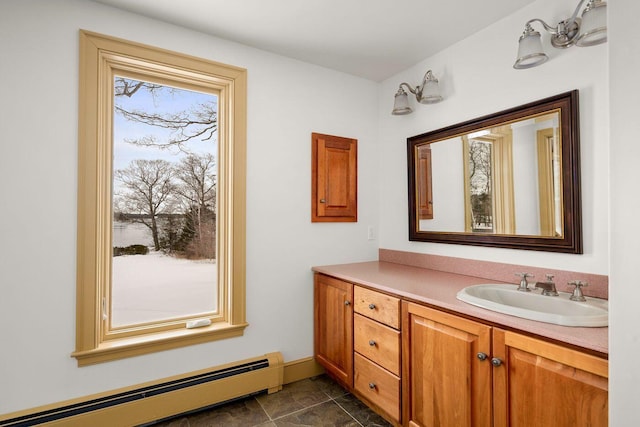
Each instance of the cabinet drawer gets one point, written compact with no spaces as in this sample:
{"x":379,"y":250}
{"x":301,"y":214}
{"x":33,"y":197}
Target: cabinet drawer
{"x":377,"y":385}
{"x":377,"y":306}
{"x":377,"y":342}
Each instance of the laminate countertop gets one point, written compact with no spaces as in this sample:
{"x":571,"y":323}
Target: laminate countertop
{"x":438,"y":289}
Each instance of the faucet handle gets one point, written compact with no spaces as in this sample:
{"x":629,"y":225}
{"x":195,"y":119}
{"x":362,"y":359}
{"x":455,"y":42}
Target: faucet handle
{"x":524,"y":286}
{"x":549,"y":277}
{"x":577,"y":294}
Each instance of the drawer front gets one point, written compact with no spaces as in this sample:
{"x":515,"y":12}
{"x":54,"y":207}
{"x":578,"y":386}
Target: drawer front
{"x":377,"y":306}
{"x":377,"y":342}
{"x":377,"y":385}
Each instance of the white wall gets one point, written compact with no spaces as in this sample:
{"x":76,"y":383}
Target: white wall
{"x":287,"y":100}
{"x":477,"y":78}
{"x":624,"y":335}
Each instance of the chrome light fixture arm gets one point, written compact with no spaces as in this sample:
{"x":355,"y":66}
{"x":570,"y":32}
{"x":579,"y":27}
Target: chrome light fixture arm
{"x":566,"y":30}
{"x":588,"y":30}
{"x":426,"y":92}
{"x":409,"y":88}
{"x":418,"y":91}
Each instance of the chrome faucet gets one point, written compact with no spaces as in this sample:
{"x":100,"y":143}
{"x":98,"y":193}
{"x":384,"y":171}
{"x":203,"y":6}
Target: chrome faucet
{"x":524,"y":285}
{"x":548,"y":287}
{"x":577,"y":292}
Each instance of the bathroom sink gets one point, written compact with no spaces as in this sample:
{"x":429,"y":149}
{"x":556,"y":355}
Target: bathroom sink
{"x":559,"y":310}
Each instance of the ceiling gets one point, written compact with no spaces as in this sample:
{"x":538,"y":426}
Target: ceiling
{"x":374,"y":39}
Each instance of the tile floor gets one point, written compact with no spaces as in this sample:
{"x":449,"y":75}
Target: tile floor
{"x":316,"y":401}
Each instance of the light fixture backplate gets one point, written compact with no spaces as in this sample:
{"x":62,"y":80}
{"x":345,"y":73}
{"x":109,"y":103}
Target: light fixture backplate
{"x":567,"y":37}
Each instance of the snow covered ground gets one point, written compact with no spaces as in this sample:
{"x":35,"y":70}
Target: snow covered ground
{"x":156,"y":286}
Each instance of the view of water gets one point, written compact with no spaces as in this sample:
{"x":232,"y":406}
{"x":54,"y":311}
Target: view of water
{"x":131,"y":233}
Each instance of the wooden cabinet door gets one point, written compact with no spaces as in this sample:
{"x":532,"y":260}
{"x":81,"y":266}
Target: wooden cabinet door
{"x":334,"y":179}
{"x":425,"y":193}
{"x":333,"y":327}
{"x":543,"y":384}
{"x":444,"y":382}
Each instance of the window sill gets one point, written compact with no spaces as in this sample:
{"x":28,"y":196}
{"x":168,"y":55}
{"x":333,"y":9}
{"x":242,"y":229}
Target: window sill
{"x":138,"y":345}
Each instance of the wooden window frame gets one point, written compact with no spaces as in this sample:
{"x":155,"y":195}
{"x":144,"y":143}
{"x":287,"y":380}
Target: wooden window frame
{"x":99,"y":56}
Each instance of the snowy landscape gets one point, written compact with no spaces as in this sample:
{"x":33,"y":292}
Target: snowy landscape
{"x":156,"y":286}
{"x":164,"y":203}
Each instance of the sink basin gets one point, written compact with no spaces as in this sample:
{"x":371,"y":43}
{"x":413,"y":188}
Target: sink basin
{"x":559,"y":310}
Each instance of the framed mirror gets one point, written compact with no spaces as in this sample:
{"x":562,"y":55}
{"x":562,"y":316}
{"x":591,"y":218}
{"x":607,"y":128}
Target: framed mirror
{"x":509,"y":179}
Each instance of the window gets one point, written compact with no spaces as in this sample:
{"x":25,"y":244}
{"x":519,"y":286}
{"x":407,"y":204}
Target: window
{"x":489,"y":194}
{"x":161,"y":200}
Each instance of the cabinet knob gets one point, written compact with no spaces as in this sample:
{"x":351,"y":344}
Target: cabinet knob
{"x":496,"y":362}
{"x":482,"y":356}
{"x":347,"y":302}
{"x":372,"y":343}
{"x":372,"y":386}
{"x":323,"y":201}
{"x":372,"y":306}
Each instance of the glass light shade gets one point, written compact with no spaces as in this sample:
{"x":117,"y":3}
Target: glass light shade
{"x":430,"y":92}
{"x":593,"y":29}
{"x":401,"y":103}
{"x":530,"y":51}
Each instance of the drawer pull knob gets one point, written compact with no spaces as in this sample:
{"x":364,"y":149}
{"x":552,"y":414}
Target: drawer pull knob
{"x":347,"y":302}
{"x":372,"y":343}
{"x":496,"y":362}
{"x":482,"y":356}
{"x":372,"y":306}
{"x":372,"y":386}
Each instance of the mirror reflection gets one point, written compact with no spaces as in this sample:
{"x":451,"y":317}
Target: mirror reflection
{"x":499,"y":180}
{"x":509,"y":179}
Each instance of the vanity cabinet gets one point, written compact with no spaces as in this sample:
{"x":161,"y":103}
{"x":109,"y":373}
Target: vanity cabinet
{"x":358,"y":341}
{"x":544,"y":384}
{"x":446,"y":384}
{"x":377,"y":350}
{"x":464,"y":373}
{"x":421,"y":366}
{"x":333,"y":327}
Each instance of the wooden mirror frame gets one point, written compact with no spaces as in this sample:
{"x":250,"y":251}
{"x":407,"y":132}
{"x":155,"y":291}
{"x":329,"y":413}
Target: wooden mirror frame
{"x":571,"y":240}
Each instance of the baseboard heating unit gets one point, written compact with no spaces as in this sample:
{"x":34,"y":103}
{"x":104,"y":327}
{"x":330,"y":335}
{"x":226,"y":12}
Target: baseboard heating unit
{"x":149,"y":402}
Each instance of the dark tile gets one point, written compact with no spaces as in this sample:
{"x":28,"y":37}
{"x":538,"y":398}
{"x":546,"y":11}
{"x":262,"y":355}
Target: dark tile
{"x":361,"y":412}
{"x":242,"y":413}
{"x":181,"y":421}
{"x":292,"y":397}
{"x":329,"y":386}
{"x":326,"y":414}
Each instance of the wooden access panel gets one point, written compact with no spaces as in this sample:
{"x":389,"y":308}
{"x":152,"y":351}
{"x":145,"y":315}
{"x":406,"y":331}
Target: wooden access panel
{"x":334,"y":179}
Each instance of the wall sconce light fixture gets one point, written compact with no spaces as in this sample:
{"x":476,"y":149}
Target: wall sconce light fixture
{"x":589,"y":30}
{"x":426,"y":93}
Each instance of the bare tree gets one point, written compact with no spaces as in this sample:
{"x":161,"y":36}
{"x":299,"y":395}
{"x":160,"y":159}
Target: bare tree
{"x":200,"y":121}
{"x":480,"y":181}
{"x":147,"y":190}
{"x":196,"y":177}
{"x":127,"y":87}
{"x":480,"y":167}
